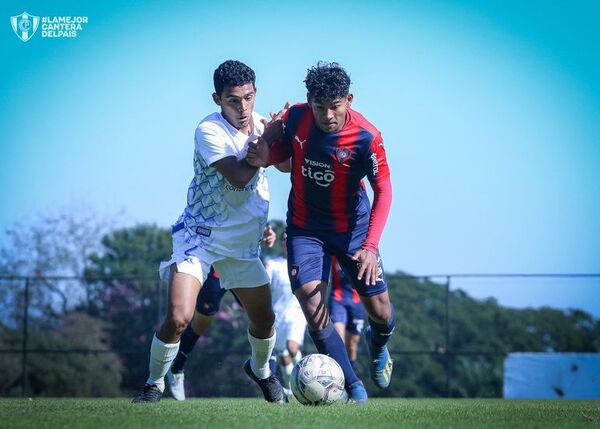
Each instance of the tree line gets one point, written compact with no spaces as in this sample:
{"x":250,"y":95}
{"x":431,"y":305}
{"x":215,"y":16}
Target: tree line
{"x":92,"y":337}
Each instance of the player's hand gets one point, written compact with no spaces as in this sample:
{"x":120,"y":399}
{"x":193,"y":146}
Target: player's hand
{"x":274,"y":127}
{"x":368,"y":266}
{"x":269,"y":236}
{"x":259,"y":153}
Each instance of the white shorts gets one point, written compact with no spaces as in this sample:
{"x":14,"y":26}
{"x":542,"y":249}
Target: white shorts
{"x":291,"y":325}
{"x":233,"y":272}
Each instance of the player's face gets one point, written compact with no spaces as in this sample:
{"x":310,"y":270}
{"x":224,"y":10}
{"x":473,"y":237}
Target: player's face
{"x":237,"y":104}
{"x":330,"y":116}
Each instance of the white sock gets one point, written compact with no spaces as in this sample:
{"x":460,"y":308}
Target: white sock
{"x":296,"y":359}
{"x":161,"y":358}
{"x":261,"y":352}
{"x":286,"y":374}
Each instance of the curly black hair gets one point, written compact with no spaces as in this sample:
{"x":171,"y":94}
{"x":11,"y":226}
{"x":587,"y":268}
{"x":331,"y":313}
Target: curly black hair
{"x":232,"y":73}
{"x":327,"y":81}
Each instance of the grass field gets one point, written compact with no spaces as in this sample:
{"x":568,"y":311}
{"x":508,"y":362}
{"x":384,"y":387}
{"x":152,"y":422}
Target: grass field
{"x":257,"y":414}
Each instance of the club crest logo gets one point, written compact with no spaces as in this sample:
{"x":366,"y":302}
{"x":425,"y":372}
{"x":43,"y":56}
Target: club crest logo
{"x":342,"y":154}
{"x":25,"y":25}
{"x":294,"y":272}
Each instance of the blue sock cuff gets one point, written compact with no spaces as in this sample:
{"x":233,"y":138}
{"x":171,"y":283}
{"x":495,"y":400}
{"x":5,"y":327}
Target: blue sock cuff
{"x":322,"y":333}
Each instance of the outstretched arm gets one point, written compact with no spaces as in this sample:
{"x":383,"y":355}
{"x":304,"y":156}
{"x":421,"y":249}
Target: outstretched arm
{"x":237,"y":171}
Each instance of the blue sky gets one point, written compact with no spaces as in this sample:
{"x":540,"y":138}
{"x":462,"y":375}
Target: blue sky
{"x":490,"y":112}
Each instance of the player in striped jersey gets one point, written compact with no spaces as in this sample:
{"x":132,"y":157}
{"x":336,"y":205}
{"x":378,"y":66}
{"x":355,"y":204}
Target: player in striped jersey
{"x":332,"y":148}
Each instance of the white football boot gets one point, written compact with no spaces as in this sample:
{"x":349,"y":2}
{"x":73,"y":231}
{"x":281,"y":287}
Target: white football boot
{"x":176,"y":385}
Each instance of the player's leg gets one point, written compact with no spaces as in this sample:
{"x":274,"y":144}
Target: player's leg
{"x":250,"y":283}
{"x":381,"y":327}
{"x":341,"y":330}
{"x":308,"y":267}
{"x":293,"y":329}
{"x":183,"y":290}
{"x":312,"y":298}
{"x":339,"y":317}
{"x":296,"y":329}
{"x":354,"y":327}
{"x":375,"y":299}
{"x":176,"y":376}
{"x":382,"y":322}
{"x":208,"y":303}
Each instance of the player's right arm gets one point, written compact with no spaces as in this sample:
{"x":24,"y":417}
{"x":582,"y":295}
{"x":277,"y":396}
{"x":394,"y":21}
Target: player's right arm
{"x":215,"y":149}
{"x":237,"y":171}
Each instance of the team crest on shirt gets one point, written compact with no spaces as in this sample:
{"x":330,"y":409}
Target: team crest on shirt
{"x":294,"y":272}
{"x":342,"y":154}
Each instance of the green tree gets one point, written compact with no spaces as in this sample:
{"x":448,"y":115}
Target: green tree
{"x":128,"y":293}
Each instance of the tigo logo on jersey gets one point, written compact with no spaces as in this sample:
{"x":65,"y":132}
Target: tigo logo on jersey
{"x":315,"y":170}
{"x":24,"y":25}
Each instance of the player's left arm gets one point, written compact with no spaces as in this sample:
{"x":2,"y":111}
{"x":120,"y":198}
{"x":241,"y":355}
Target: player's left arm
{"x":378,"y":173}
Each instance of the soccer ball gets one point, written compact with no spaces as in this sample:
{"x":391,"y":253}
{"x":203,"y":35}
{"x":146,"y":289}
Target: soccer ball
{"x":317,"y":380}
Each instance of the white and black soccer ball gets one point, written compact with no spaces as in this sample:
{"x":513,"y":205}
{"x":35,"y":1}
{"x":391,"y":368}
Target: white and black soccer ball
{"x":317,"y":380}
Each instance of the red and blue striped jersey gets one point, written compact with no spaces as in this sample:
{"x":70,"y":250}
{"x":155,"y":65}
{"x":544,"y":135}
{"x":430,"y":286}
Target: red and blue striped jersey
{"x":328,"y":193}
{"x":341,"y":286}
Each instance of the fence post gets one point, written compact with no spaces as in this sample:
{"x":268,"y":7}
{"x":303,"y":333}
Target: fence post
{"x":448,"y":374}
{"x":25,"y":340}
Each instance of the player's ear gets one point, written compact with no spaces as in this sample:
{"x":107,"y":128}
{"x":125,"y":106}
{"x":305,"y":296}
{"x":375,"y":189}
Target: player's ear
{"x":350,"y":97}
{"x":216,"y":98}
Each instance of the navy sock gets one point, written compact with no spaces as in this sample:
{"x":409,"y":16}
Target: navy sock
{"x":382,"y":332}
{"x":353,"y":364}
{"x":188,"y":341}
{"x":329,"y":342}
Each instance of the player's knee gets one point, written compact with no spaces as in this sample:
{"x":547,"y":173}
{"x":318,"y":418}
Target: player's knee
{"x":381,"y":315}
{"x":293,"y":348}
{"x":380,"y":311}
{"x":178,"y":320}
{"x":263,"y":322}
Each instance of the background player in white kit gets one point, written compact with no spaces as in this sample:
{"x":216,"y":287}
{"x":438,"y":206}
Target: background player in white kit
{"x":290,"y":322}
{"x":222,"y":224}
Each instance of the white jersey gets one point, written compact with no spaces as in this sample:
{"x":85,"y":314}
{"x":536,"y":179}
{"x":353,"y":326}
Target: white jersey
{"x":219,"y":217}
{"x":281,"y":291}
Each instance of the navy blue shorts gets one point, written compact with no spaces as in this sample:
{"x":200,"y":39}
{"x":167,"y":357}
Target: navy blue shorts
{"x":350,"y":314}
{"x":309,"y":258}
{"x":209,"y":299}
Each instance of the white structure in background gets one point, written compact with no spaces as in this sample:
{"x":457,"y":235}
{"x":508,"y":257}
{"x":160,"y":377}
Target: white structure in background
{"x":552,"y":375}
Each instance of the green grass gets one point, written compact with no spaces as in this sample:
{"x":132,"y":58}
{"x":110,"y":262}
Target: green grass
{"x":257,"y":414}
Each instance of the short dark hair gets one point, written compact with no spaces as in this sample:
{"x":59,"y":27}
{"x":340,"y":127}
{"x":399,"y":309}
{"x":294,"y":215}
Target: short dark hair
{"x":327,"y":81}
{"x":232,"y":73}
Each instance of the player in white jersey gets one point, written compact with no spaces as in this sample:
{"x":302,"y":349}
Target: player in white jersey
{"x":222,"y":225}
{"x":290,"y":322}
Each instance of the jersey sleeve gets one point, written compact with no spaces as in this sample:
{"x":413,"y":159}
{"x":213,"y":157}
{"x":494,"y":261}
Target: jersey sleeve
{"x":378,"y":173}
{"x":211,"y":145}
{"x":375,"y":161}
{"x":281,"y":149}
